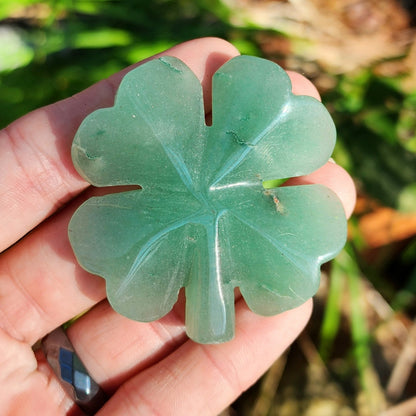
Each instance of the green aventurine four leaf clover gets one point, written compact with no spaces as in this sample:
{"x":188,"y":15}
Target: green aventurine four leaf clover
{"x":202,"y":218}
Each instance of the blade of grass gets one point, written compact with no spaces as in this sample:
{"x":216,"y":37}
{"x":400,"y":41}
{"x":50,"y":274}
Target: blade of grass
{"x":371,"y":398}
{"x":332,"y":313}
{"x":269,"y":386}
{"x":404,"y":365}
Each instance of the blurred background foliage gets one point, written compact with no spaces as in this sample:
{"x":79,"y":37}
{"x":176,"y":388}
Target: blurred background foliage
{"x":357,"y":355}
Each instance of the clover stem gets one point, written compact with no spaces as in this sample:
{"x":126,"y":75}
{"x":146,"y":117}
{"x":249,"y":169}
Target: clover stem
{"x":210,"y":301}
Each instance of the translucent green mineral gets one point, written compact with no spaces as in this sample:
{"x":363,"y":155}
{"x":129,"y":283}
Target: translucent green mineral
{"x":203,"y":219}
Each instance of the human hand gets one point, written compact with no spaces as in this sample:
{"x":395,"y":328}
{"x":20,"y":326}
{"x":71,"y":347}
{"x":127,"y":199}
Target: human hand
{"x":146,"y":368}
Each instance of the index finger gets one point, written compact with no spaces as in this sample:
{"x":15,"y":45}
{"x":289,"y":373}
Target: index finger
{"x":37,"y":174}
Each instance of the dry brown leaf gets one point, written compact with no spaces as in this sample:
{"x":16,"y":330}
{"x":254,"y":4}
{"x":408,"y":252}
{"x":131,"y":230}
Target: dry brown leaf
{"x":385,"y":226}
{"x":341,"y":36}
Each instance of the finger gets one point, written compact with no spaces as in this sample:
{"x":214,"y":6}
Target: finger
{"x":36,"y":169}
{"x":302,"y":86}
{"x":203,"y":379}
{"x":335,"y":178}
{"x":41,"y":283}
{"x":331,"y":175}
{"x":115,"y":348}
{"x":27,"y":386}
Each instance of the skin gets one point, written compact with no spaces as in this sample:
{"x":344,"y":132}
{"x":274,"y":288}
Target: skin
{"x":146,"y":368}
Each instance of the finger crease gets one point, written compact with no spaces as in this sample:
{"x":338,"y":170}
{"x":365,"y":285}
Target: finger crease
{"x":229,"y":374}
{"x":45,"y":179}
{"x":135,"y":400}
{"x":36,"y":307}
{"x":163,"y":333}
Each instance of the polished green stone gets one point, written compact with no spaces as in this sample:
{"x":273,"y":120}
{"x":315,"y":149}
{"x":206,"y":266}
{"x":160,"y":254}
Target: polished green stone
{"x":203,"y":219}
